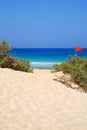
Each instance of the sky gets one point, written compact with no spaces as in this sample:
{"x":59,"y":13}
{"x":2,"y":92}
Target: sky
{"x":44,"y":23}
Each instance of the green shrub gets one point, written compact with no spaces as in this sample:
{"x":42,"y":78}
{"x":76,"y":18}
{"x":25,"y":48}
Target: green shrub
{"x":16,"y":64}
{"x":22,"y":65}
{"x":4,"y":48}
{"x":56,"y":67}
{"x":66,"y":67}
{"x":7,"y":61}
{"x":77,"y":67}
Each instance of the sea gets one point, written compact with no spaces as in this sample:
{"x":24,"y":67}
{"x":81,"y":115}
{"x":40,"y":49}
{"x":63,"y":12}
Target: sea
{"x":44,"y":58}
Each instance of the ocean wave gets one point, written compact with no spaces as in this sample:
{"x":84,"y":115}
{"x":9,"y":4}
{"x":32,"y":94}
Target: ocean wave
{"x":43,"y":64}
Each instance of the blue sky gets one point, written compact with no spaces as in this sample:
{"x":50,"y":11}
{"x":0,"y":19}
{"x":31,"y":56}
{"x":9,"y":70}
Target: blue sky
{"x":44,"y":23}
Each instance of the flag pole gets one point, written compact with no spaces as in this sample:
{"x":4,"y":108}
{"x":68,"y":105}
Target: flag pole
{"x":75,"y":53}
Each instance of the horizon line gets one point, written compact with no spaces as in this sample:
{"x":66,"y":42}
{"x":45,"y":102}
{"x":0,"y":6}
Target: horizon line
{"x":46,"y":48}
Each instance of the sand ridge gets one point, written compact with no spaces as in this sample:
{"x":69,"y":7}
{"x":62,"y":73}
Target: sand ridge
{"x":34,"y":101}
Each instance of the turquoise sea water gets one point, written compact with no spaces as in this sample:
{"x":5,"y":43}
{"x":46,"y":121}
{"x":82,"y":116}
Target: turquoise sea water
{"x":45,"y":57}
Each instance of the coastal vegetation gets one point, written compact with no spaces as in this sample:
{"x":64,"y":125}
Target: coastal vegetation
{"x":7,"y":61}
{"x":77,"y":68}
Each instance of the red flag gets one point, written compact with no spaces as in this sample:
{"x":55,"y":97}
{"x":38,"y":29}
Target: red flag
{"x":78,"y":49}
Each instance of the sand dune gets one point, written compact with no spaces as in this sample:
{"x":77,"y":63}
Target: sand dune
{"x":34,"y":101}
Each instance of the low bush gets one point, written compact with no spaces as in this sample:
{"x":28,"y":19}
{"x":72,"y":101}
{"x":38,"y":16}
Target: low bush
{"x":16,"y":64}
{"x":7,"y":61}
{"x":77,"y":68}
{"x":56,"y":67}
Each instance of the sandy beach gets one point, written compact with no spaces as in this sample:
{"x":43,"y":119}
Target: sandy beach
{"x":34,"y":101}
